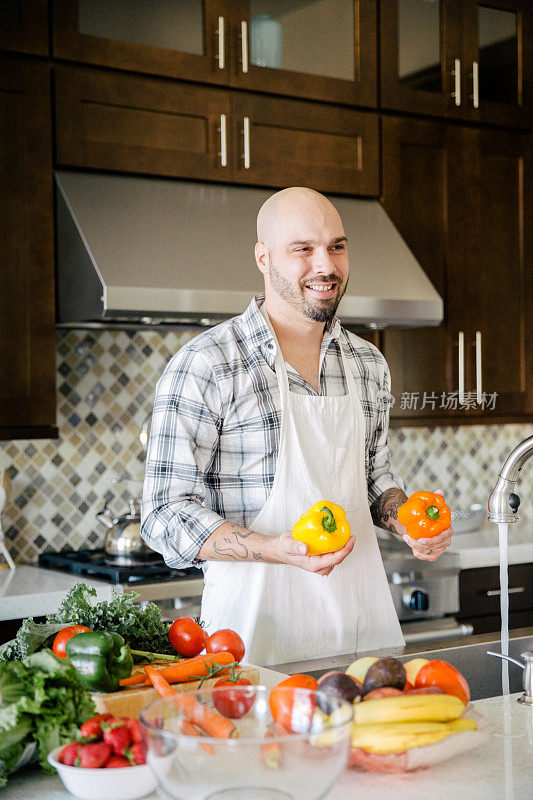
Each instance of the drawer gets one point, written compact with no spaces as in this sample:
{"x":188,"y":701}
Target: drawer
{"x":479,"y":590}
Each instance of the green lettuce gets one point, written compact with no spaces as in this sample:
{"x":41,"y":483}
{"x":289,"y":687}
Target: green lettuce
{"x":41,"y":701}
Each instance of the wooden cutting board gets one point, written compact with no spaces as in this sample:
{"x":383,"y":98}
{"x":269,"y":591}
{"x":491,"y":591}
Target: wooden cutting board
{"x":130,"y":701}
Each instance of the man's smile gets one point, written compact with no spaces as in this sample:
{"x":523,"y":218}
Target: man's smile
{"x":322,"y":290}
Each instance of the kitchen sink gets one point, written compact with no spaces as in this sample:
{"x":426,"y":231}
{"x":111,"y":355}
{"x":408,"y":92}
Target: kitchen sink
{"x":482,"y":672}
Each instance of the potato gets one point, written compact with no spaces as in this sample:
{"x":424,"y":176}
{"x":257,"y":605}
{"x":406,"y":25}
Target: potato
{"x":385,"y":672}
{"x":358,"y":668}
{"x":412,"y":667}
{"x":338,"y":685}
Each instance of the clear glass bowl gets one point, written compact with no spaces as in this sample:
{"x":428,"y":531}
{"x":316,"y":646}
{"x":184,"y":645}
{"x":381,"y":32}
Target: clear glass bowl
{"x":264,"y":762}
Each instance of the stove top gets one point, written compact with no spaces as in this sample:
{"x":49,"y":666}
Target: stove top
{"x":97,"y":564}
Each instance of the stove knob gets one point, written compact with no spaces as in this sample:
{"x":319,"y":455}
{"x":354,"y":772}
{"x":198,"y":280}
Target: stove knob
{"x":416,"y":600}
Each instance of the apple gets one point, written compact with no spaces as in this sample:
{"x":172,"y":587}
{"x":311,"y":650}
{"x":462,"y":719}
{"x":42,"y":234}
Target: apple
{"x":408,"y":687}
{"x":358,"y":668}
{"x":412,"y":668}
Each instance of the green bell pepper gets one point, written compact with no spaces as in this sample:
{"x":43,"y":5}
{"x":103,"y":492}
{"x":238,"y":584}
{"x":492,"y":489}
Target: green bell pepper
{"x":101,"y":659}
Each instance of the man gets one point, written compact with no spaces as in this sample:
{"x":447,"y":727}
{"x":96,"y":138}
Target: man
{"x":254,"y":422}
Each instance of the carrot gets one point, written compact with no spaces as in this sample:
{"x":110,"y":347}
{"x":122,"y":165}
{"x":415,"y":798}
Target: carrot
{"x":189,"y":729}
{"x":211,"y":722}
{"x":201,"y":664}
{"x":162,"y":687}
{"x":271,"y":752}
{"x":195,"y":668}
{"x":133,"y":680}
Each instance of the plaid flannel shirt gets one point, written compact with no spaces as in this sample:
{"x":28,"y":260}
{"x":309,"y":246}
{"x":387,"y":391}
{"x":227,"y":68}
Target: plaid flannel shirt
{"x":216,"y":428}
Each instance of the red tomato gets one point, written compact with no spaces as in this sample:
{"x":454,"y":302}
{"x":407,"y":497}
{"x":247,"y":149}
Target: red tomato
{"x":187,"y":637}
{"x":226,"y":640}
{"x":230,"y":702}
{"x":58,"y":647}
{"x":292,"y":703}
{"x":445,"y":677}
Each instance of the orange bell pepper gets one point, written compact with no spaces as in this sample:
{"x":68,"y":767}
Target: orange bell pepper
{"x":425,"y":514}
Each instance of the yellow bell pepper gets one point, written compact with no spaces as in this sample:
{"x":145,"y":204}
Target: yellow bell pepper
{"x":323,"y":528}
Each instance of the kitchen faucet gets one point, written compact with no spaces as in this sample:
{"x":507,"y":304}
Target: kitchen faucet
{"x":502,"y":498}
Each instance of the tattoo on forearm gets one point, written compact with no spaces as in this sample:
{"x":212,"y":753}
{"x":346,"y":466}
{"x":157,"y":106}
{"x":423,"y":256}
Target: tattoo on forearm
{"x":385,"y":508}
{"x":231,"y":548}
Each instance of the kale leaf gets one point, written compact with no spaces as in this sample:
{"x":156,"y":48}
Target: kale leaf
{"x":142,"y":628}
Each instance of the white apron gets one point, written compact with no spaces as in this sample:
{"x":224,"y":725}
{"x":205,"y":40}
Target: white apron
{"x":284,"y":613}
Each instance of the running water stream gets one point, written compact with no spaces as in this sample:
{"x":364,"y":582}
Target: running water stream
{"x":503,"y":531}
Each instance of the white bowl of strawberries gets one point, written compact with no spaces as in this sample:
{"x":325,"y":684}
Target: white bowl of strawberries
{"x":107,"y":762}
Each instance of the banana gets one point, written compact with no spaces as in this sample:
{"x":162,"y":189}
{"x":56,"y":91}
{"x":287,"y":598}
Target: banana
{"x":463,"y":724}
{"x":408,"y":708}
{"x":395,"y":737}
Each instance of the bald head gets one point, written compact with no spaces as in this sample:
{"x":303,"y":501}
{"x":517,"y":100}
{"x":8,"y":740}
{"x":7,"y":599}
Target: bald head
{"x":285,"y":213}
{"x":302,"y":253}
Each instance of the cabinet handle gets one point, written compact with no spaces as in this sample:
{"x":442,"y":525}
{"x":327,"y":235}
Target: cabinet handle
{"x":223,"y":142}
{"x":221,"y":45}
{"x":457,"y":75}
{"x":461,"y":344}
{"x":246,"y":134}
{"x":475,"y":84}
{"x":244,"y":45}
{"x":514,"y":590}
{"x":479,"y":383}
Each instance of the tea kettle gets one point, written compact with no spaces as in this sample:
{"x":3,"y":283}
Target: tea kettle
{"x":123,"y":540}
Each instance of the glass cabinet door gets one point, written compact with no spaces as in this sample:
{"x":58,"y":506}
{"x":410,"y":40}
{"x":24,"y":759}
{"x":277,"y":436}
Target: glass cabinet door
{"x":318,"y":49}
{"x":420,"y":50}
{"x":498,"y":38}
{"x":185,"y":39}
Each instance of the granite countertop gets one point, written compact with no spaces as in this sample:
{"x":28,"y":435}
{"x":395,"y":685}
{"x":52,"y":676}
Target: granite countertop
{"x":33,"y":591}
{"x":501,"y":768}
{"x":480,"y":548}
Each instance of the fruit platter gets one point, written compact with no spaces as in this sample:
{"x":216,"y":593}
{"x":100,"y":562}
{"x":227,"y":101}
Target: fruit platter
{"x":407,"y":716}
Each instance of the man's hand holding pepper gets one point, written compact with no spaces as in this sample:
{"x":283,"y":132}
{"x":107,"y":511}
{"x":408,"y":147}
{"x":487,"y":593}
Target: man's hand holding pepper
{"x":427,"y":549}
{"x":293,"y":552}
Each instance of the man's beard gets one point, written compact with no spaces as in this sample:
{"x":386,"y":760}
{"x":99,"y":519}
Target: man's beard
{"x":319,"y":310}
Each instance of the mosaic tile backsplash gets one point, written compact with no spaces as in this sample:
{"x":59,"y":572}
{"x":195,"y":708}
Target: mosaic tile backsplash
{"x":105,"y":385}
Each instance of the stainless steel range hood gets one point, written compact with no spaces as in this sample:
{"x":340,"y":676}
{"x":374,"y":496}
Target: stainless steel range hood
{"x":149,"y":250}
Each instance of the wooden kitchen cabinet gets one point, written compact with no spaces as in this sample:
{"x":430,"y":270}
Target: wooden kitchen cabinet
{"x":130,"y":123}
{"x":420,"y":186}
{"x":463,"y":59}
{"x":24,"y":26}
{"x":295,"y":143}
{"x":323,"y":50}
{"x":479,"y":598}
{"x":461,"y":198}
{"x":177,"y":40}
{"x":27,"y":332}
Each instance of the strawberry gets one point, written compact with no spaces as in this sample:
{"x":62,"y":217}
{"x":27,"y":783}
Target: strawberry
{"x":136,"y":754}
{"x":93,"y":756}
{"x":69,"y":755}
{"x":118,"y":738}
{"x":92,"y":728}
{"x":116,"y":761}
{"x":135,"y":729}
